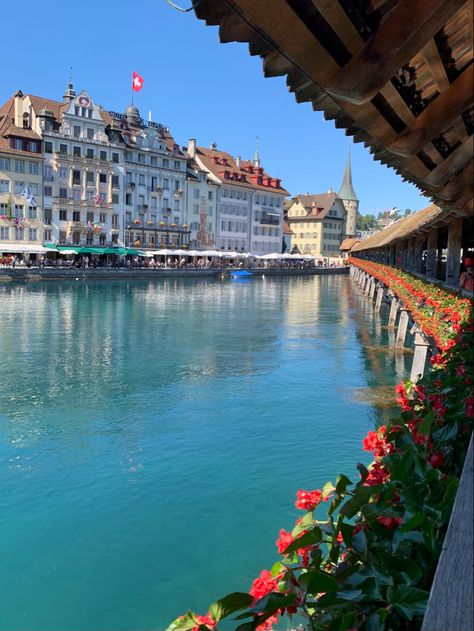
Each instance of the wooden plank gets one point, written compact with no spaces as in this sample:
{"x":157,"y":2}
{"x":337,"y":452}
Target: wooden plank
{"x":450,"y":606}
{"x":454,"y":163}
{"x":434,"y":63}
{"x":406,"y":28}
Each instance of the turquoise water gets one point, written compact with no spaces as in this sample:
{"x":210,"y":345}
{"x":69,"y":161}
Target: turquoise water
{"x":153,"y":435}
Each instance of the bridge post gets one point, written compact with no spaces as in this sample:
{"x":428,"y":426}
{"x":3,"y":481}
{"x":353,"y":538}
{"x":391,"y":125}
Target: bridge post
{"x":402,"y":328}
{"x":392,"y":316}
{"x":419,"y":358}
{"x":380,"y":294}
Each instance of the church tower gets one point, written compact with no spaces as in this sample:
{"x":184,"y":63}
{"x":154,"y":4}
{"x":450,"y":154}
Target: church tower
{"x":349,"y":199}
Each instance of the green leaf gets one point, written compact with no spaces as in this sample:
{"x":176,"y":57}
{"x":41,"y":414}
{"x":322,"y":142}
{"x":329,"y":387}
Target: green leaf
{"x":408,"y":601}
{"x":343,"y":622}
{"x":328,"y":488}
{"x":369,"y":572}
{"x":183,"y":623}
{"x":318,"y":582}
{"x":248,"y":626}
{"x":306,"y":521}
{"x":272,"y":602}
{"x":342,"y":482}
{"x":403,"y":569}
{"x":403,"y":468}
{"x":413,"y":522}
{"x":229,"y":604}
{"x":399,"y":537}
{"x":364,"y":472}
{"x":359,"y":542}
{"x":278,"y":568}
{"x":308,"y":539}
{"x":347,"y":530}
{"x":445,"y":433}
{"x":450,"y":492}
{"x":351,"y":594}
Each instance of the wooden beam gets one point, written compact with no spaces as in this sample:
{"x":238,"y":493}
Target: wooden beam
{"x":437,"y":116}
{"x":454,"y":163}
{"x":456,"y":184}
{"x":406,"y":28}
{"x":434,"y":63}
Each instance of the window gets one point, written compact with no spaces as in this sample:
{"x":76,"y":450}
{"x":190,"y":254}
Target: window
{"x":4,"y":186}
{"x":141,"y":179}
{"x":90,"y":217}
{"x":153,"y":161}
{"x":34,"y":188}
{"x":76,"y":131}
{"x":76,"y":215}
{"x":196,"y":209}
{"x":209,"y":194}
{"x":90,"y":177}
{"x":177,"y":184}
{"x":115,"y":198}
{"x":4,"y":164}
{"x":176,"y":204}
{"x":18,"y":144}
{"x":166,"y":203}
{"x":63,"y":149}
{"x":177,"y":165}
{"x":4,"y":233}
{"x":32,"y":234}
{"x":141,"y":158}
{"x":63,"y":215}
{"x":115,"y":181}
{"x":103,"y":178}
{"x":89,"y":153}
{"x":115,"y":221}
{"x":19,"y":233}
{"x":115,"y":157}
{"x":90,"y":133}
{"x":76,"y":151}
{"x":166,"y":163}
{"x":196,"y":193}
{"x":63,"y":193}
{"x":19,"y":166}
{"x":32,"y":212}
{"x":19,"y":186}
{"x":166,"y":184}
{"x":90,"y":196}
{"x":154,"y":202}
{"x":102,"y":218}
{"x":48,"y":173}
{"x":48,"y":191}
{"x":77,"y":193}
{"x":76,"y":177}
{"x":63,"y":173}
{"x":128,"y":199}
{"x":48,"y":235}
{"x":103,"y":155}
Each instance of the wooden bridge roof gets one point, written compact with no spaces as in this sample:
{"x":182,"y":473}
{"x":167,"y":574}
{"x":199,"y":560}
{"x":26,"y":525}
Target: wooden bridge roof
{"x":397,"y":75}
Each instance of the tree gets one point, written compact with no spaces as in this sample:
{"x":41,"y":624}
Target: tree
{"x":366,"y":222}
{"x":407,"y":212}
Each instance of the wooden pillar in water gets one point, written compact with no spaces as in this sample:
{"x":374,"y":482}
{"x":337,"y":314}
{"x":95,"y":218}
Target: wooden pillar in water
{"x":380,"y":293}
{"x":372,"y":288}
{"x":392,"y":316}
{"x":419,"y":358}
{"x":402,"y":329}
{"x":431,"y":253}
{"x":454,"y":252}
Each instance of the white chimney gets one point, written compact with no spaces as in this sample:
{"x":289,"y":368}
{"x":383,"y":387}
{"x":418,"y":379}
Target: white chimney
{"x":237,"y":161}
{"x":192,"y":147}
{"x":329,"y":191}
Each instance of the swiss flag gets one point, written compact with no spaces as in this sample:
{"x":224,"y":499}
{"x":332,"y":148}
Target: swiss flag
{"x":137,"y":82}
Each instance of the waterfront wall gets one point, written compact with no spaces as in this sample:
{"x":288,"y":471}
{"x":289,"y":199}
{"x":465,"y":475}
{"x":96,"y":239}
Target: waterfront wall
{"x":38,"y":274}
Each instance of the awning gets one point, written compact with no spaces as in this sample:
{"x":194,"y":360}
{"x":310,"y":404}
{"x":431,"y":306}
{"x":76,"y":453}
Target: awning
{"x":23,"y":248}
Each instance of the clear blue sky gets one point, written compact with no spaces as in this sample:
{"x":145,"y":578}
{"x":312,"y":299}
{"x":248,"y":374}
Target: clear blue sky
{"x":198,"y":87}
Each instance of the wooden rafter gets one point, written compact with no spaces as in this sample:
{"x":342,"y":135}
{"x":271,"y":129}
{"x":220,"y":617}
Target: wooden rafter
{"x":399,"y":37}
{"x":436,"y":117}
{"x":453,"y":164}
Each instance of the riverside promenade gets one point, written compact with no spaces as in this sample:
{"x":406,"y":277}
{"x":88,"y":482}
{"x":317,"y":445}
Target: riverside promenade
{"x":40,"y":274}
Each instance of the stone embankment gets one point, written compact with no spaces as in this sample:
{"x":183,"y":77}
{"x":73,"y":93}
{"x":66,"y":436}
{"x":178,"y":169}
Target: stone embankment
{"x":51,"y":273}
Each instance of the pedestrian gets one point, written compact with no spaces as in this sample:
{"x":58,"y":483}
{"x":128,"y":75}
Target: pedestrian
{"x":466,"y":281}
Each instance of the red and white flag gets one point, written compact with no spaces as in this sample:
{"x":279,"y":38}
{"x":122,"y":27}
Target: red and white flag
{"x":137,"y":82}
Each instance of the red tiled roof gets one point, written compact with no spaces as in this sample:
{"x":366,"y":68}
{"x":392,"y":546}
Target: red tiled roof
{"x":316,"y":206}
{"x":287,"y":229}
{"x":245,"y":174}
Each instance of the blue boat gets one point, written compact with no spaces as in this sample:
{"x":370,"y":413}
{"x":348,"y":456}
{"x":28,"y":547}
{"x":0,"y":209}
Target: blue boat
{"x":241,"y":273}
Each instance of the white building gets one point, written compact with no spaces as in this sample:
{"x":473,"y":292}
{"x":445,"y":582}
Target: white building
{"x":249,"y":213}
{"x":201,"y":207}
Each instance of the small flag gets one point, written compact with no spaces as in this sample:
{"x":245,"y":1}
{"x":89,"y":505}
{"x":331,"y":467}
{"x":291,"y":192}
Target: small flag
{"x":98,"y":200}
{"x":27,"y":194}
{"x":137,"y":82}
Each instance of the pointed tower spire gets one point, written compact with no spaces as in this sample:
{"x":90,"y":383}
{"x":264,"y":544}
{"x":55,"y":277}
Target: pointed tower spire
{"x":256,"y":160}
{"x":70,"y":92}
{"x":347,"y":190}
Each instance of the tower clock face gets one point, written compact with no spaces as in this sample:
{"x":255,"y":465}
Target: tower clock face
{"x":84,"y":101}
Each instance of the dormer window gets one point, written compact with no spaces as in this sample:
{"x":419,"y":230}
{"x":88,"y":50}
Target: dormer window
{"x":26,"y":120}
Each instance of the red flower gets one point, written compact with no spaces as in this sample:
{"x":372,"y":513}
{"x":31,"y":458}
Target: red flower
{"x":268,"y":624}
{"x":205,"y":620}
{"x":470,"y":407}
{"x":377,"y":475}
{"x":263,"y":585}
{"x":379,"y":446}
{"x":284,"y":541}
{"x":436,"y":460}
{"x":308,"y":500}
{"x":389,"y":522}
